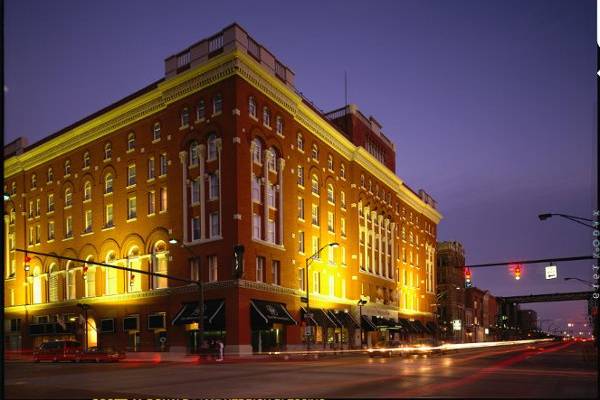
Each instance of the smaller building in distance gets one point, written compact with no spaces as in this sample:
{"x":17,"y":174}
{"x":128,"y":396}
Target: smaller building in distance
{"x":451,"y":290}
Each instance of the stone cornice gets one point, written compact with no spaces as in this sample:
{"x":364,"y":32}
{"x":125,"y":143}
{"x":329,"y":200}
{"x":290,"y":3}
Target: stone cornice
{"x":196,"y":79}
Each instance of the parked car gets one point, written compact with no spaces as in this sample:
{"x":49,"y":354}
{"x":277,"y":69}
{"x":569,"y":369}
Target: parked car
{"x":58,"y":350}
{"x":100,"y":354}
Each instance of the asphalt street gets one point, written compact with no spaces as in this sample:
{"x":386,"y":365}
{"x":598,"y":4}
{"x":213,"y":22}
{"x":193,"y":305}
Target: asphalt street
{"x":548,"y":370}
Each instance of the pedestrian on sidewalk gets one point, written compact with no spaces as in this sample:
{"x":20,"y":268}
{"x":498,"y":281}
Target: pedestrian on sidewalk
{"x":220,"y":347}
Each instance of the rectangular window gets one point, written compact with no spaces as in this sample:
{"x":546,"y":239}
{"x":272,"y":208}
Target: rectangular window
{"x":343,"y":226}
{"x":213,"y":189}
{"x":256,"y":227}
{"x":212,"y":268}
{"x":30,"y":241}
{"x":256,"y":189}
{"x":316,"y":282}
{"x":194,"y":269}
{"x":271,"y":231}
{"x":69,"y":226}
{"x":131,"y":208}
{"x":270,"y":195}
{"x":214,"y":224}
{"x":330,"y":221}
{"x":301,"y":175}
{"x":315,"y":214}
{"x":88,"y":221}
{"x":343,"y":255}
{"x":331,"y":285}
{"x":151,"y":203}
{"x":195,"y":228}
{"x":275,"y":272}
{"x":30,"y":212}
{"x":195,"y":195}
{"x":37,"y":207}
{"x":316,"y":245}
{"x":260,"y":269}
{"x":163,"y":164}
{"x":301,"y":241}
{"x":301,"y":208}
{"x":108,"y":216}
{"x":71,"y":285}
{"x":163,"y":199}
{"x":50,"y":230}
{"x":50,"y":202}
{"x":151,"y":168}
{"x":301,"y":284}
{"x":331,"y":254}
{"x":131,"y":175}
{"x":37,"y":234}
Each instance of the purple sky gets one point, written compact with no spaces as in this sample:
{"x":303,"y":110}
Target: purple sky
{"x":491,"y":104}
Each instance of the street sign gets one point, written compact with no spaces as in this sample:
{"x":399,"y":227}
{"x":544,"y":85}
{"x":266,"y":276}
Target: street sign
{"x":551,"y":272}
{"x":304,"y":299}
{"x":456,"y":325}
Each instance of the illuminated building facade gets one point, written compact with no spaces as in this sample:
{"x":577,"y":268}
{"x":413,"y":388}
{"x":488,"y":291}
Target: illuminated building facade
{"x":221,"y":152}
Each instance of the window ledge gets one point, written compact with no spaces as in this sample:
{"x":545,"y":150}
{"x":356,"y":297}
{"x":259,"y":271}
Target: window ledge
{"x":197,"y":121}
{"x":156,"y":141}
{"x":107,"y":160}
{"x":182,"y":127}
{"x":216,"y":114}
{"x":50,"y":241}
{"x":68,"y":207}
{"x":108,"y":228}
{"x":129,"y":151}
{"x":108,"y":194}
{"x":85,"y":168}
{"x":67,"y":238}
{"x":87,"y":233}
{"x":130,"y":186}
{"x":253,"y":117}
{"x":150,"y":180}
{"x":49,"y":213}
{"x":131,"y":219}
{"x":87,"y":201}
{"x":151,"y":215}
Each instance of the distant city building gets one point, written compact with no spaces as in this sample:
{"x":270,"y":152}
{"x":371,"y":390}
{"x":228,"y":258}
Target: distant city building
{"x":451,"y":289}
{"x":527,"y":320}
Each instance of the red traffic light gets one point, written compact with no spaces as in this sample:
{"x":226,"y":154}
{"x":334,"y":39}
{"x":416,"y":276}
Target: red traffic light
{"x":467,"y":274}
{"x":517,"y":271}
{"x":27,"y":259}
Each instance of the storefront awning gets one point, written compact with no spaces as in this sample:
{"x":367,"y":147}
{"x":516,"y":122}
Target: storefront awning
{"x":214,"y":315}
{"x":334,"y":318}
{"x":418,"y":326}
{"x":319,"y":317}
{"x":264,"y":314}
{"x":366,"y":324}
{"x":346,"y":319}
{"x":408,"y":327}
{"x":382,"y":322}
{"x":432,"y":326}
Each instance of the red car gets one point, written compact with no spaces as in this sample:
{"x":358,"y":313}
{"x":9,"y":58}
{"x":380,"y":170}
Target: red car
{"x":100,"y":354}
{"x":59,"y":350}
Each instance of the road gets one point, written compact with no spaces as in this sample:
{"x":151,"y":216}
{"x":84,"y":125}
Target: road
{"x":549,"y":370}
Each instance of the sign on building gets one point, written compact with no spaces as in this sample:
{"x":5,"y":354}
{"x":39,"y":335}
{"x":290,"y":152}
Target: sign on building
{"x":456,"y":325}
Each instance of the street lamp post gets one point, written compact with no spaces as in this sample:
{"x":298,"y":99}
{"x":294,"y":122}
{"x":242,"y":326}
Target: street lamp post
{"x":85,"y":307}
{"x":361,"y":303}
{"x":200,"y":292}
{"x":307,"y":262}
{"x":578,"y":220}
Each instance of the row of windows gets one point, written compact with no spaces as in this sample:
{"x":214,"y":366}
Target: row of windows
{"x":217,"y":108}
{"x":214,"y":226}
{"x":194,"y":148}
{"x":266,"y":116}
{"x":315,"y":156}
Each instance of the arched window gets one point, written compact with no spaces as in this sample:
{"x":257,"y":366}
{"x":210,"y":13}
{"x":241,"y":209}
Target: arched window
{"x":266,"y":116}
{"x":315,"y":184}
{"x":315,"y":152}
{"x":330,"y":162}
{"x":342,"y":170}
{"x":300,"y":142}
{"x":200,"y":110}
{"x":111,"y":273}
{"x":330,"y":194}
{"x":212,"y":147}
{"x":87,"y":191}
{"x":50,"y":174}
{"x":185,"y":117}
{"x":108,"y":183}
{"x":156,"y":131}
{"x":252,"y":107}
{"x":54,"y":283}
{"x":134,"y":262}
{"x":68,"y":197}
{"x":273,"y":159}
{"x":193,"y":153}
{"x":86,"y":159}
{"x":131,"y":141}
{"x":160,"y":258}
{"x":217,"y":104}
{"x":68,"y":167}
{"x":257,"y":151}
{"x":33,"y":181}
{"x":107,"y":151}
{"x":89,"y":278}
{"x":37,"y":286}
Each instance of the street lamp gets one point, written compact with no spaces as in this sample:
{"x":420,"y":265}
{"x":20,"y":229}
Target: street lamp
{"x":580,"y":280}
{"x":545,"y":216}
{"x":360,"y":304}
{"x":200,"y":292}
{"x":307,"y":315}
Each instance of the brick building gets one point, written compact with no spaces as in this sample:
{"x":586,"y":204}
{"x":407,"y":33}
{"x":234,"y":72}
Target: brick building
{"x":220,"y":152}
{"x":451,"y":289}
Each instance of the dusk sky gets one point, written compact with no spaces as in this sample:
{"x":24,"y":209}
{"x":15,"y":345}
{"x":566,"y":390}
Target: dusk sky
{"x":491,"y":104}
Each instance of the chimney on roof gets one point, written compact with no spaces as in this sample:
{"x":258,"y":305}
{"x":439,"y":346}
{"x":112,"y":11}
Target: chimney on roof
{"x":15,"y":147}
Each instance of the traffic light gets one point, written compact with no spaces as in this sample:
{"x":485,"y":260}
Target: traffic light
{"x":85,"y":270}
{"x":517,"y":271}
{"x":468,"y":282}
{"x":27,"y":261}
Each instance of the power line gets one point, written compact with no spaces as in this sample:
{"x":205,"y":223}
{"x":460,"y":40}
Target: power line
{"x":544,"y":260}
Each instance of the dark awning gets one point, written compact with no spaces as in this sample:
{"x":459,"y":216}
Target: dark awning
{"x":424,"y":329}
{"x":408,"y":327}
{"x":366,"y":324}
{"x":214,"y":315}
{"x":346,"y":319}
{"x":418,"y":326}
{"x":381,"y":322}
{"x":432,"y":326}
{"x":334,"y":318}
{"x":264,"y":314}
{"x":52,"y":328}
{"x":319,"y":317}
